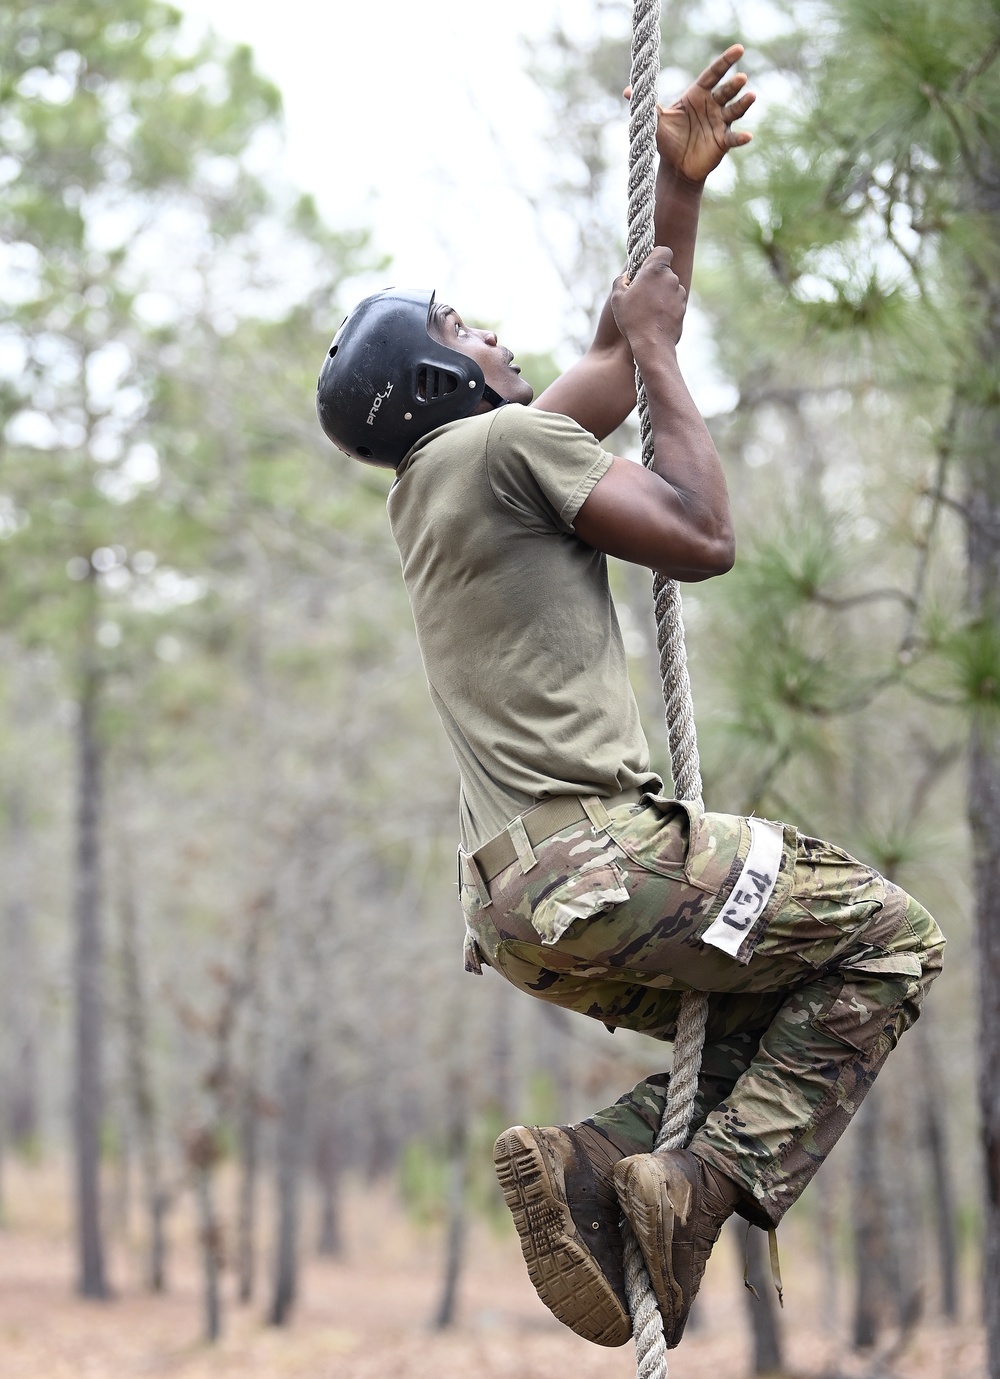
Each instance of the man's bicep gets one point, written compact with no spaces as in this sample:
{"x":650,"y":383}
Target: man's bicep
{"x":635,"y":515}
{"x":598,"y":391}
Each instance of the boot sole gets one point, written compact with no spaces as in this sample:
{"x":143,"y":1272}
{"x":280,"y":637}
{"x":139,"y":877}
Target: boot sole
{"x":565,"y":1274}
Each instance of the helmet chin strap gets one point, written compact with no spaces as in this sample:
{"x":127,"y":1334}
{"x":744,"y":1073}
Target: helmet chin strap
{"x":491,"y":396}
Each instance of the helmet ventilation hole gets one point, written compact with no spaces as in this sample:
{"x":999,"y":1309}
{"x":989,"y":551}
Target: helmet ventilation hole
{"x":434,"y":383}
{"x":333,"y":350}
{"x":364,"y":452}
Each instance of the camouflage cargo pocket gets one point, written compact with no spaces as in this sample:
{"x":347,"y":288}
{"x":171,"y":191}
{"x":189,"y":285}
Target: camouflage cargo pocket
{"x":833,"y":901}
{"x":875,"y":988}
{"x":676,"y":839}
{"x":583,"y":895}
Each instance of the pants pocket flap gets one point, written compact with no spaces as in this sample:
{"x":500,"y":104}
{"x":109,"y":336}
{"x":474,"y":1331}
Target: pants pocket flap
{"x":890,"y":964}
{"x":580,"y":896}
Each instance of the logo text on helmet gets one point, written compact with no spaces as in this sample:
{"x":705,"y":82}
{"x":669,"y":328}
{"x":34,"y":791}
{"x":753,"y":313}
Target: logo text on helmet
{"x":379,"y":399}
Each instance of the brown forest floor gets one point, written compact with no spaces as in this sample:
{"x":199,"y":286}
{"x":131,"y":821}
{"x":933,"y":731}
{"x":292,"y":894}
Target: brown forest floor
{"x":366,"y":1317}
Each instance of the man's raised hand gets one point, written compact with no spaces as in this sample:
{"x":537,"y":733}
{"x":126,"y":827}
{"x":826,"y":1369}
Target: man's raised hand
{"x":695,"y":133}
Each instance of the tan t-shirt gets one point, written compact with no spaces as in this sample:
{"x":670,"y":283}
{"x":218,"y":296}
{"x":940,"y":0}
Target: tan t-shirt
{"x":514,"y":616}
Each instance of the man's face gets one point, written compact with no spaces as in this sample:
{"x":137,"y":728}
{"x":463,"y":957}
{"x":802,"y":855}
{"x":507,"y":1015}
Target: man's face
{"x":495,"y":360}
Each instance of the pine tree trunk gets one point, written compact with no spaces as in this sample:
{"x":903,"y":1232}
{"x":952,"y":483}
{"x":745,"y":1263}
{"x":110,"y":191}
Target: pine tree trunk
{"x":291,"y":1153}
{"x":826,"y":1199}
{"x":935,"y":1110}
{"x":329,"y":1173}
{"x":980,"y":436}
{"x":246,"y":1254}
{"x":88,"y":985}
{"x":456,"y":1220}
{"x":944,"y":1207}
{"x":984,"y":798}
{"x":158,"y":1208}
{"x":900,"y":1192}
{"x":331,"y":1238}
{"x":137,"y":1071}
{"x":553,"y":1063}
{"x":119,"y":1215}
{"x":21,"y":1110}
{"x":210,"y":1238}
{"x":248,"y":1113}
{"x":869,"y":1227}
{"x":502,"y":1061}
{"x":762,"y":1310}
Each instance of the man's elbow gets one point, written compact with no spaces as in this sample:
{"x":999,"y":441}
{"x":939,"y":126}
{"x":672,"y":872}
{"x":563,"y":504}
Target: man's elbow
{"x":725,"y":555}
{"x":712,"y":556}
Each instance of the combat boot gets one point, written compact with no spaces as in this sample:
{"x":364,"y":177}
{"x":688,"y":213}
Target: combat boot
{"x":557,"y":1183}
{"x":676,"y":1204}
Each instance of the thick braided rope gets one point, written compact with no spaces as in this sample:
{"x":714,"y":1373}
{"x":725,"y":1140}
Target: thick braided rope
{"x":647,"y":1324}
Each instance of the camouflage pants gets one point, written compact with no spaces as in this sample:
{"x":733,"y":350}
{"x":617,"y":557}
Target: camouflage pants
{"x":609,"y":919}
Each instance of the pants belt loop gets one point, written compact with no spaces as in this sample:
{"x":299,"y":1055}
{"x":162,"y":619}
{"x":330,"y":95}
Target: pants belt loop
{"x":522,"y":844}
{"x":596,"y":812}
{"x":468,"y":869}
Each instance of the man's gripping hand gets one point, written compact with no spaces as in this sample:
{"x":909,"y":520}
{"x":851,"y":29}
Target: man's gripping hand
{"x":695,"y":133}
{"x":649,"y":311}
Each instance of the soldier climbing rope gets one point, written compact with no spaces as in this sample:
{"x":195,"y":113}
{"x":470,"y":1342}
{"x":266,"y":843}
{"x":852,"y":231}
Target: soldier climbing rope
{"x":615,"y":902}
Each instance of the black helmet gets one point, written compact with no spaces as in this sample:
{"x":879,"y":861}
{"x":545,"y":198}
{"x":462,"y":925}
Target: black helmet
{"x":386,"y":382}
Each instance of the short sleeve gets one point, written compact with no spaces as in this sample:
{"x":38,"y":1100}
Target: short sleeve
{"x":542,"y":466}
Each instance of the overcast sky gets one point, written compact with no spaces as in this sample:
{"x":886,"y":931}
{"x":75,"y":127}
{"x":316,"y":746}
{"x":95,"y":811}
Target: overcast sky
{"x":388,"y":109}
{"x":393,"y":112}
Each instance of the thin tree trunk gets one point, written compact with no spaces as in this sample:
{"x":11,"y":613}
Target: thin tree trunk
{"x":934,"y":1115}
{"x":762,"y":1309}
{"x":552,"y":1062}
{"x":825,"y":1194}
{"x":901,"y":1194}
{"x":456,"y":1222}
{"x":88,"y":984}
{"x":985,"y":810}
{"x":204,"y":1152}
{"x":291,"y":1146}
{"x":329,"y":1173}
{"x":980,"y":437}
{"x":157,"y":1207}
{"x":21,"y":1110}
{"x":869,"y":1227}
{"x":331,"y":1238}
{"x":210,"y":1239}
{"x":121,"y":1206}
{"x":140,"y":1082}
{"x":246,"y":1220}
{"x":502,"y":1062}
{"x":248,"y":1112}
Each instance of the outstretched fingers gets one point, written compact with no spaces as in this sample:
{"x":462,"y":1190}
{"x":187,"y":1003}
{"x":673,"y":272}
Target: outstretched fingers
{"x":736,"y":138}
{"x":738,"y":107}
{"x":716,"y":70}
{"x":725,"y":93}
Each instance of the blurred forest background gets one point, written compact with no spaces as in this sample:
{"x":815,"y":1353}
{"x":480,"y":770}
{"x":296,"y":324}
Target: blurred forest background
{"x":232,"y":997}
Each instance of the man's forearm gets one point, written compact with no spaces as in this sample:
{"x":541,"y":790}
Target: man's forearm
{"x":684,"y":453}
{"x":675,"y":226}
{"x":675,"y":517}
{"x":675,"y":219}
